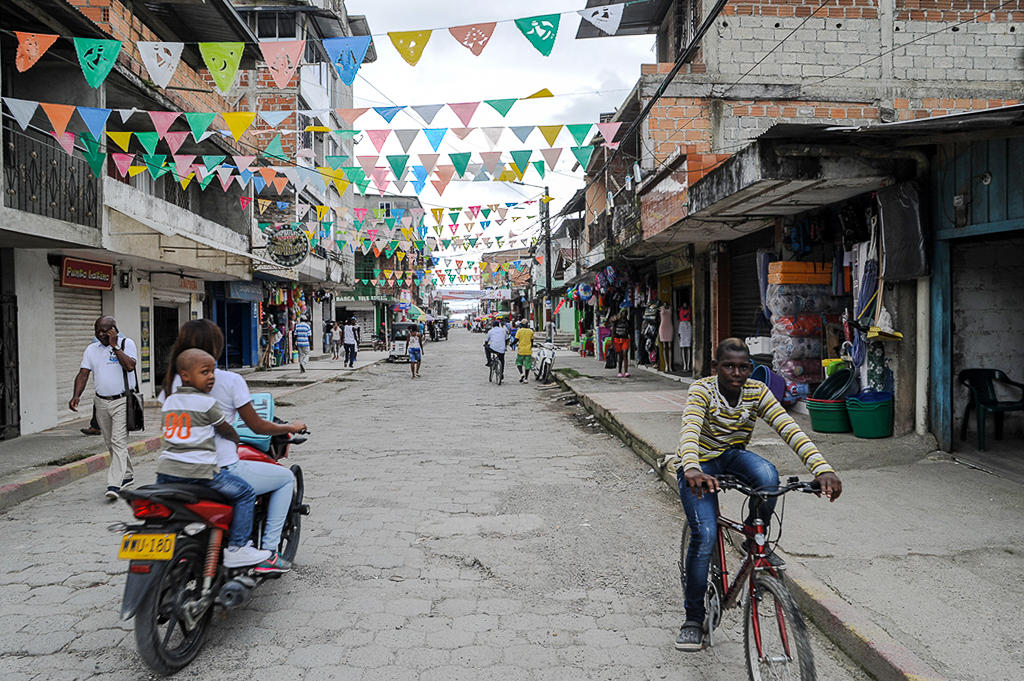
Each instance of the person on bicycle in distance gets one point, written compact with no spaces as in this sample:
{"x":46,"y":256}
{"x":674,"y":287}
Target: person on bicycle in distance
{"x":494,"y":345}
{"x":717,"y":423}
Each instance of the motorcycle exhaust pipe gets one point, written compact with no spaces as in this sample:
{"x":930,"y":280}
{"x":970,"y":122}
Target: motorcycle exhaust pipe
{"x":236,"y":592}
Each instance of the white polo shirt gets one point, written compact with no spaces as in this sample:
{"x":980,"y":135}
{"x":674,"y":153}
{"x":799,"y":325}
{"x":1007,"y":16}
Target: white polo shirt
{"x":107,"y":375}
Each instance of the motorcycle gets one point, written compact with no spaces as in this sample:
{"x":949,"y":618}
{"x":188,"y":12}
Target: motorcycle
{"x":175,"y":574}
{"x":543,"y":359}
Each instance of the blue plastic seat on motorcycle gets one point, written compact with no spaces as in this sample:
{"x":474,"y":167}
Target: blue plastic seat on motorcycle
{"x":263,"y":404}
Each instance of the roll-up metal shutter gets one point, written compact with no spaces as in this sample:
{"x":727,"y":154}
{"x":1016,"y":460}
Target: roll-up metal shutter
{"x":74,"y":315}
{"x":744,"y":298}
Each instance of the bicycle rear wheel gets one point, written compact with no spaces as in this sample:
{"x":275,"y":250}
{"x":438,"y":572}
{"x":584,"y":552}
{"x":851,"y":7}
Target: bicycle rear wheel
{"x":785,"y":645}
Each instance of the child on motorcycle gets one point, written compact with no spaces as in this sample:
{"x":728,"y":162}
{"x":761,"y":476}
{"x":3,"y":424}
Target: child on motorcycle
{"x":191,"y":417}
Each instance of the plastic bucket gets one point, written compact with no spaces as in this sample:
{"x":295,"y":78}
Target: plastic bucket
{"x":776,"y":384}
{"x":828,"y":416}
{"x":841,"y":383}
{"x":871,"y":415}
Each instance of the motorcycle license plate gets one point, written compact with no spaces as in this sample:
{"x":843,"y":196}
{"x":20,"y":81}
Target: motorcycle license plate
{"x":146,"y":547}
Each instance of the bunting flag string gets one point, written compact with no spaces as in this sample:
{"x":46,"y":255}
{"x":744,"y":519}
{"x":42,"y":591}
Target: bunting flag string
{"x":346,"y":54}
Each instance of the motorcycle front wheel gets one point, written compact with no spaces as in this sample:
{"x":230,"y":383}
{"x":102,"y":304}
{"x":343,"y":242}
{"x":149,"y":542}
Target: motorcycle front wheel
{"x":162,"y":636}
{"x":293,"y":523}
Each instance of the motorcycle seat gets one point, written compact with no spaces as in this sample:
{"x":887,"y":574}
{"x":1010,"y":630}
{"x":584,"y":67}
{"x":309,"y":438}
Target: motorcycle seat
{"x":183,"y":492}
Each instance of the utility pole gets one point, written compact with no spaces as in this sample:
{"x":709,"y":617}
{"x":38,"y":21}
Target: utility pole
{"x":549,"y":305}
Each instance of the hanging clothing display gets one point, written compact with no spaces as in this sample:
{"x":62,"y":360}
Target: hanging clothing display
{"x":665,"y":325}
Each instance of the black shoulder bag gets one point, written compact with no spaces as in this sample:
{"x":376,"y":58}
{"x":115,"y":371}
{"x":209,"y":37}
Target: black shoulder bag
{"x":134,"y":414}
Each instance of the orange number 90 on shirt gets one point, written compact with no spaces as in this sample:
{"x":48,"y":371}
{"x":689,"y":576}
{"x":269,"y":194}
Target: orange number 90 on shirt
{"x":178,"y":425}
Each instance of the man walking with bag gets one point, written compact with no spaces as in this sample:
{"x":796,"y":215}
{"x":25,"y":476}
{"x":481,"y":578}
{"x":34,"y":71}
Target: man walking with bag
{"x":112,"y":363}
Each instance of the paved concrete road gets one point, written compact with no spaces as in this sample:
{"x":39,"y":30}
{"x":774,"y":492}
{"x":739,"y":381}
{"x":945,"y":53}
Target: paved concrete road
{"x":460,"y":530}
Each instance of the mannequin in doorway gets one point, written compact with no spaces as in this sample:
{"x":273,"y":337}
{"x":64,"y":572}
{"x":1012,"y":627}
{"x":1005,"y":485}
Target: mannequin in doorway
{"x":685,"y":334}
{"x":665,"y":333}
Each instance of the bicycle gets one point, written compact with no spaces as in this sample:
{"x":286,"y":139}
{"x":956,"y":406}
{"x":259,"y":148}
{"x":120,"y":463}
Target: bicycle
{"x":497,"y":367}
{"x":774,"y":633}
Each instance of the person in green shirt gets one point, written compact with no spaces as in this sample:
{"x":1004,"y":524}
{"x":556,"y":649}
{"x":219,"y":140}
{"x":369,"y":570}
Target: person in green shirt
{"x":524,"y":351}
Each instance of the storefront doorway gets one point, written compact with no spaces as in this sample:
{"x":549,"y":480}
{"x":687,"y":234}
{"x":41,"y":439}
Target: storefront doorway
{"x":165,"y":331}
{"x":10,"y":408}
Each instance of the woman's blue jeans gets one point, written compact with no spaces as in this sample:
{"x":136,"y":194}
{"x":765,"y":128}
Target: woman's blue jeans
{"x":702,"y":516}
{"x":238,"y":492}
{"x":268,"y":477}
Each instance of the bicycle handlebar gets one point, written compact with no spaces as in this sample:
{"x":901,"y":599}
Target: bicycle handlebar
{"x":792,"y":485}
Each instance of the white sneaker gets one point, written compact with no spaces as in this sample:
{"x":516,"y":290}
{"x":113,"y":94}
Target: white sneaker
{"x":240,"y":556}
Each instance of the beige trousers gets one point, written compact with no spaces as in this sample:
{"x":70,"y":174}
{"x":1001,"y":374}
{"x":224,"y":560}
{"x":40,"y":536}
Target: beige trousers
{"x":110,"y":415}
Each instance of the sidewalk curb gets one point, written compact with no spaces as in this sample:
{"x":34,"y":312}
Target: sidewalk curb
{"x":847,"y":625}
{"x":14,"y":493}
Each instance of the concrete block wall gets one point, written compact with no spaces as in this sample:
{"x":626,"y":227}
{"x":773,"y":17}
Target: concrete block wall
{"x":988,"y":276}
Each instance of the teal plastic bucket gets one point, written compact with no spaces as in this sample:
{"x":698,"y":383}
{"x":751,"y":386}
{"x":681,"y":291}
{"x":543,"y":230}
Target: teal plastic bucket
{"x":828,"y":416}
{"x":871,"y":417}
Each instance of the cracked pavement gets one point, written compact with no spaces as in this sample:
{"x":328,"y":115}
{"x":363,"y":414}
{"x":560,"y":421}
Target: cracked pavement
{"x":459,"y":530}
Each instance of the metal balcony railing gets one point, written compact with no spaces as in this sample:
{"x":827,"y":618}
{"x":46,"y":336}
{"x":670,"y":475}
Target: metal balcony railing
{"x":41,"y":178}
{"x":626,"y":228}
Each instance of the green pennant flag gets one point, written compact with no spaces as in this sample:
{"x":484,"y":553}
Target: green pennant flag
{"x":539,"y":167}
{"x":93,"y":156}
{"x":274,"y":150}
{"x":335,"y":160}
{"x":486,"y":212}
{"x":397,"y":164}
{"x":521,"y":160}
{"x":354,"y":174}
{"x":472,"y":242}
{"x":362,"y":185}
{"x":222,"y":60}
{"x":346,"y":134}
{"x":502,"y":106}
{"x":211,"y":161}
{"x":583,"y":155}
{"x":198,"y":122}
{"x":148,"y":141}
{"x":454,"y":217}
{"x":418,"y":244}
{"x":580,"y":132}
{"x":390,"y":222}
{"x":446,"y":242}
{"x":206,"y":181}
{"x":541,"y":31}
{"x":97,"y":58}
{"x":155,"y":164}
{"x":264,"y":226}
{"x":460,"y":161}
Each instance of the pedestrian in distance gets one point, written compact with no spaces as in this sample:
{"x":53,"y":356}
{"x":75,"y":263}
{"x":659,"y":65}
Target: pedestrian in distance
{"x":524,"y":351}
{"x":620,"y":341}
{"x":717,"y":424}
{"x":336,"y":337}
{"x":111,"y":362}
{"x":415,"y":351}
{"x":351,"y":340}
{"x":303,"y":339}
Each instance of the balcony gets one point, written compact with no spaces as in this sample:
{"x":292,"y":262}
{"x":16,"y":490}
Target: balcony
{"x":41,"y":178}
{"x":626,"y":229}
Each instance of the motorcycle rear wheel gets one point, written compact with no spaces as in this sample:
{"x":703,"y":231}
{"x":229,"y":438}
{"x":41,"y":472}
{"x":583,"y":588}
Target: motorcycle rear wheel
{"x":161,"y":636}
{"x":292,"y":530}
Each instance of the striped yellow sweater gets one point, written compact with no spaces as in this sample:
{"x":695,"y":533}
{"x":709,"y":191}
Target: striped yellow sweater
{"x":711,"y":426}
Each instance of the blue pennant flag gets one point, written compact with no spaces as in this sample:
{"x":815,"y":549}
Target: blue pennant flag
{"x":388,"y":112}
{"x":95,"y":119}
{"x":347,"y":55}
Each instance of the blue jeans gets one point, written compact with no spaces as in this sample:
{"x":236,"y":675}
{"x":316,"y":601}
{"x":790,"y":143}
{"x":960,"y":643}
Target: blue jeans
{"x":350,"y":354}
{"x":702,"y":516}
{"x":238,"y":492}
{"x":278,"y":481}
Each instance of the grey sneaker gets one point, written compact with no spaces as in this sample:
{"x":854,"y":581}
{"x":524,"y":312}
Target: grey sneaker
{"x":691,"y":637}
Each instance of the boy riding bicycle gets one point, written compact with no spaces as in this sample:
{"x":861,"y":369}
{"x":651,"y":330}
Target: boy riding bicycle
{"x":717,"y":423}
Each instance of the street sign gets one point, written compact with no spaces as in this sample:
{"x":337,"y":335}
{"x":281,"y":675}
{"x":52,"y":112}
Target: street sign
{"x":288,"y":247}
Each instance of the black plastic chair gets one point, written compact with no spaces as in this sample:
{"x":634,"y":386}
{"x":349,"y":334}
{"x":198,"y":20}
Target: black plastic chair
{"x":983,"y":399}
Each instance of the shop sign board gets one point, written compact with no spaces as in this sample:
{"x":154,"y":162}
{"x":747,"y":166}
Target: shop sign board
{"x":173,"y":282}
{"x":245,"y":290}
{"x":376,"y":298}
{"x":76,"y":273}
{"x":673,"y":263}
{"x":288,"y":247}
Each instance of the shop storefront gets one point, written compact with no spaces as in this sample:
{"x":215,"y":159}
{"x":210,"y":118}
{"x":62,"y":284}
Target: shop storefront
{"x":234,"y":307}
{"x":368,"y":311}
{"x":77,"y":302}
{"x":176,"y":300}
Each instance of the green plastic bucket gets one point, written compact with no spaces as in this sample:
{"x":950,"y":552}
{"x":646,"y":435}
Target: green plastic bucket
{"x":828,"y":416}
{"x":870,"y":419}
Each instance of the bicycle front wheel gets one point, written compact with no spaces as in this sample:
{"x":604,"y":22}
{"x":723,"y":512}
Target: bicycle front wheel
{"x":775,"y":636}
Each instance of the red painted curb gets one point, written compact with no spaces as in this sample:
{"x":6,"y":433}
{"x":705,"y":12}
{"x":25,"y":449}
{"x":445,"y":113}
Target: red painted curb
{"x":14,"y":493}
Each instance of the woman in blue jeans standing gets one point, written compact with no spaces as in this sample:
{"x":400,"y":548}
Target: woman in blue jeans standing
{"x":232,"y":395}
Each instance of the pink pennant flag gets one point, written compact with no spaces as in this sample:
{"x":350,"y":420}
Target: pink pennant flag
{"x":446,"y":173}
{"x":66,"y":140}
{"x":464,"y":110}
{"x":162,"y":120}
{"x":175,"y":140}
{"x":473,"y":36}
{"x":380,"y":178}
{"x":282,"y":57}
{"x":368,"y":163}
{"x":245,"y":201}
{"x":428,"y":161}
{"x":243,"y":162}
{"x":350,"y":115}
{"x":474,"y":210}
{"x":122,"y":161}
{"x":550,"y":157}
{"x":182,"y":164}
{"x":608,"y":131}
{"x":462,"y":133}
{"x":491,"y":160}
{"x":378,"y":137}
{"x":360,"y":213}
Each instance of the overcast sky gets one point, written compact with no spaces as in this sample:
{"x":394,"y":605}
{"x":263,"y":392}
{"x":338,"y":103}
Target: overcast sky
{"x":509,"y":66}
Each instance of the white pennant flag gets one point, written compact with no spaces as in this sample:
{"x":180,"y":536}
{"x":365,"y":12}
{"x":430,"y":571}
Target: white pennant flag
{"x":606,"y":18}
{"x":161,"y":60}
{"x":493,"y":134}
